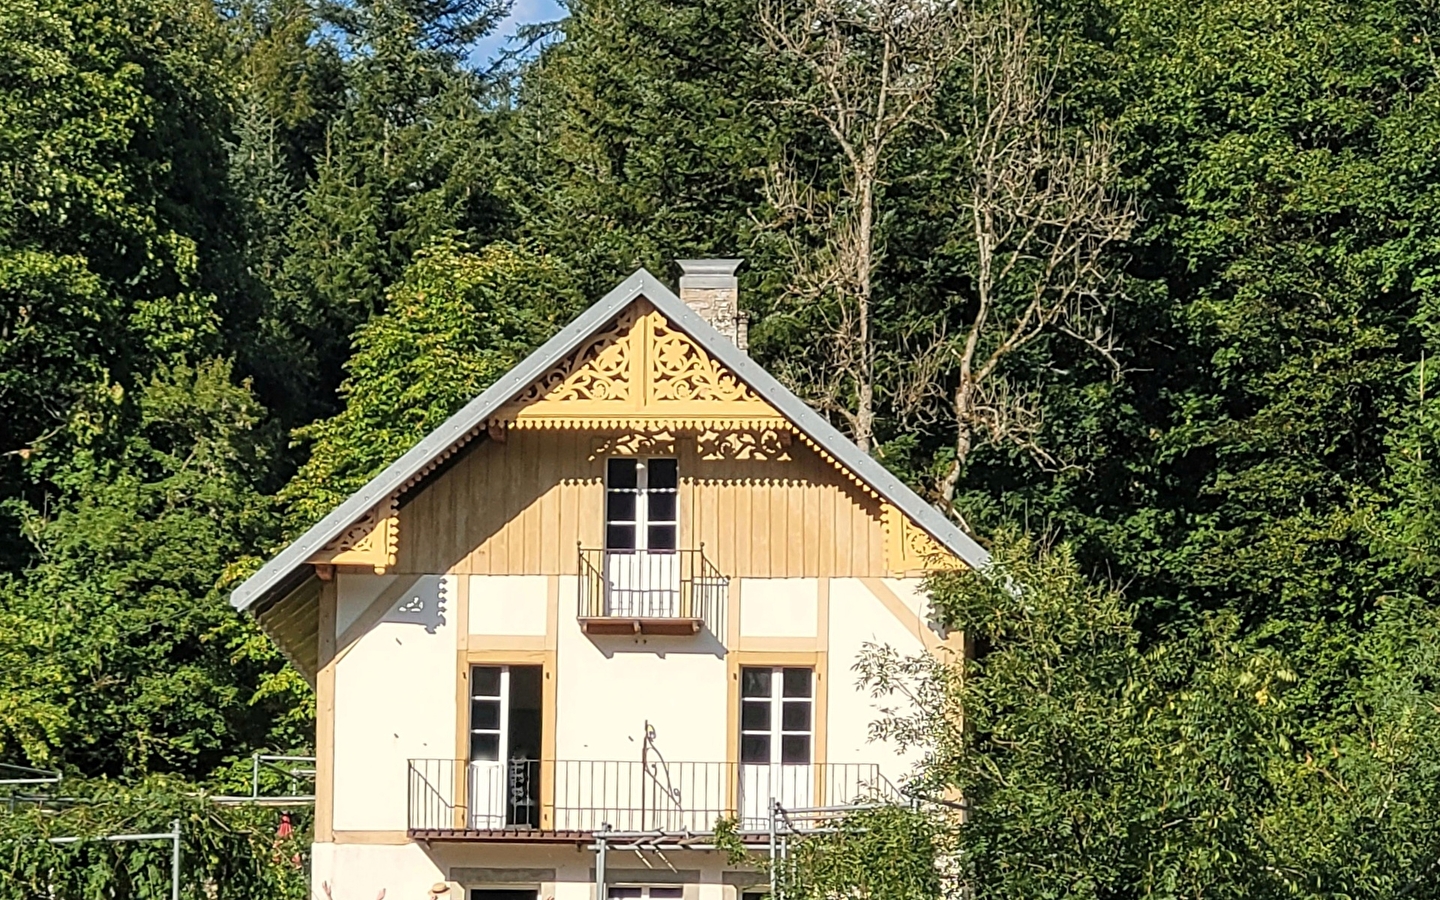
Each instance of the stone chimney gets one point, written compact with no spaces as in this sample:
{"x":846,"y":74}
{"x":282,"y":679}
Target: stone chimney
{"x":710,"y":288}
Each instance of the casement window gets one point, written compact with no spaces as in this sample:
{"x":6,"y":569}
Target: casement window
{"x":642,"y":533}
{"x":777,"y":722}
{"x":646,"y":893}
{"x":641,"y":504}
{"x":776,"y":716}
{"x":505,"y":725}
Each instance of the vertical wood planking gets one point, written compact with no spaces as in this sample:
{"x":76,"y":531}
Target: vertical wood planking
{"x":520,"y":506}
{"x":815,"y":528}
{"x":799,"y":533}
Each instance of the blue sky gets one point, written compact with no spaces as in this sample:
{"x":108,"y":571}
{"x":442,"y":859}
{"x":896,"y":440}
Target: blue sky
{"x":523,"y":12}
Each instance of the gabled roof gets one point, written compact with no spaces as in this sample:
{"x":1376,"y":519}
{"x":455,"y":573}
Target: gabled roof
{"x":287,"y":569}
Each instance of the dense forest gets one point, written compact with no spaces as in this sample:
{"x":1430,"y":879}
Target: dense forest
{"x":1155,"y":284}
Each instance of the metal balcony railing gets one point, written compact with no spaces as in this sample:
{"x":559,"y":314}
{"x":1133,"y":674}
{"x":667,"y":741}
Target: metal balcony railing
{"x":651,"y":591}
{"x":589,"y":795}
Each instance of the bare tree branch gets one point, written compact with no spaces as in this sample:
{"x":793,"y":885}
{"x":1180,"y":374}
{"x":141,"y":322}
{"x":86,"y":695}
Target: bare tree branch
{"x":1045,"y":221}
{"x":876,"y":66}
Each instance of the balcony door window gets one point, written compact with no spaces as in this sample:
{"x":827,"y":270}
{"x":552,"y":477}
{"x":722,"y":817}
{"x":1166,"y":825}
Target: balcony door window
{"x":642,"y":531}
{"x":641,"y":508}
{"x":505,"y":724}
{"x":777,"y":722}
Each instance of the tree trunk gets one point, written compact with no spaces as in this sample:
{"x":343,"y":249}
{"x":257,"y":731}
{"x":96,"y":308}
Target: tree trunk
{"x":864,"y":261}
{"x":964,"y":440}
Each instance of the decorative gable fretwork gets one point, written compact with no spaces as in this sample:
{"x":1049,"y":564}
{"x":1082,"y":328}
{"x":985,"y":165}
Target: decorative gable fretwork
{"x":909,"y":549}
{"x":371,"y":541}
{"x":765,"y":444}
{"x":595,"y":373}
{"x":639,"y":373}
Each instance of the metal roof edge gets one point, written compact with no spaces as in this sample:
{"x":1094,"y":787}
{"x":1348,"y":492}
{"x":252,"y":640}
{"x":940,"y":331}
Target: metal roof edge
{"x":279,"y":568}
{"x":822,"y":432}
{"x":470,"y":416}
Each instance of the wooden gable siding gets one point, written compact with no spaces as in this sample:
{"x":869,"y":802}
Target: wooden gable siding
{"x":520,"y":506}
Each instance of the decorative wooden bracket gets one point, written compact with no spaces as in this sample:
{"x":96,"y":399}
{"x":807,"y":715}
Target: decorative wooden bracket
{"x":909,"y":549}
{"x":372,"y":541}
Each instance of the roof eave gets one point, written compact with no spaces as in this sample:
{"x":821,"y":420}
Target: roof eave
{"x":453,"y":429}
{"x":281,"y":568}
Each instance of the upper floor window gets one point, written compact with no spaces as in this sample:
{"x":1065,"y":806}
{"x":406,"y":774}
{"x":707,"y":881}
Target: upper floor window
{"x":776,"y":715}
{"x":641,"y":504}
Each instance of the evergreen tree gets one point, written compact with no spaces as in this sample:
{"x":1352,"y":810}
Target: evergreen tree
{"x":406,"y":161}
{"x":643,"y":137}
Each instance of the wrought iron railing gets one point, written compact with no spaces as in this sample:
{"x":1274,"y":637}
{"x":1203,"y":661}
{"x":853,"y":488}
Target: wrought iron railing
{"x":588,"y":795}
{"x":447,"y":794}
{"x":652,"y":585}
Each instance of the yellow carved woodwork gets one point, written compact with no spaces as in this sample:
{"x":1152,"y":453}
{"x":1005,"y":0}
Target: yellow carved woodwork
{"x":679,"y":371}
{"x":639,"y":374}
{"x":909,"y":548}
{"x":764,"y":445}
{"x":371,"y":541}
{"x":598,"y":371}
{"x":632,"y":444}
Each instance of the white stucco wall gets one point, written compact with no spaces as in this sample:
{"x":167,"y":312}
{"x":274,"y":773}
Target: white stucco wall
{"x":857,"y":618}
{"x":779,"y":607}
{"x":508,"y":604}
{"x":610,"y":686}
{"x":394,"y":695}
{"x":354,"y":595}
{"x":362,"y":872}
{"x":911,"y":592}
{"x":408,"y":871}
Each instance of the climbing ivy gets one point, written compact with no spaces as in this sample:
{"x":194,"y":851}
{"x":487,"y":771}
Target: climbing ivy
{"x":888,"y":852}
{"x":226,"y":852}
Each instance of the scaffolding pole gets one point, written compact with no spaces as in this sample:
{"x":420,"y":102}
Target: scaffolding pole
{"x":264,"y":759}
{"x":774,"y":812}
{"x":600,"y":837}
{"x":173,"y":835}
{"x":24,"y":775}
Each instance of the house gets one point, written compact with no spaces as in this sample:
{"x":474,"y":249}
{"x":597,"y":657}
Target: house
{"x":614,"y":599}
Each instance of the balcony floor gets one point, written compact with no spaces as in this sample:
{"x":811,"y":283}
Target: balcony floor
{"x":502,"y":835}
{"x":628,"y":625}
{"x":549,"y":836}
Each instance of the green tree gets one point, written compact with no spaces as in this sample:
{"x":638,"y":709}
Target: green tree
{"x":228,"y":853}
{"x":289,"y":90}
{"x":454,"y":324}
{"x":892,"y":852}
{"x":155,"y":503}
{"x":1092,"y":765}
{"x":409,"y":158}
{"x":113,"y":246}
{"x":643,"y":137}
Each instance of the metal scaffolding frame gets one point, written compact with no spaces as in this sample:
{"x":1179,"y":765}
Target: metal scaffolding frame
{"x":784,"y":824}
{"x":23,"y":784}
{"x":260,"y":761}
{"x":26,"y":777}
{"x":173,"y":835}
